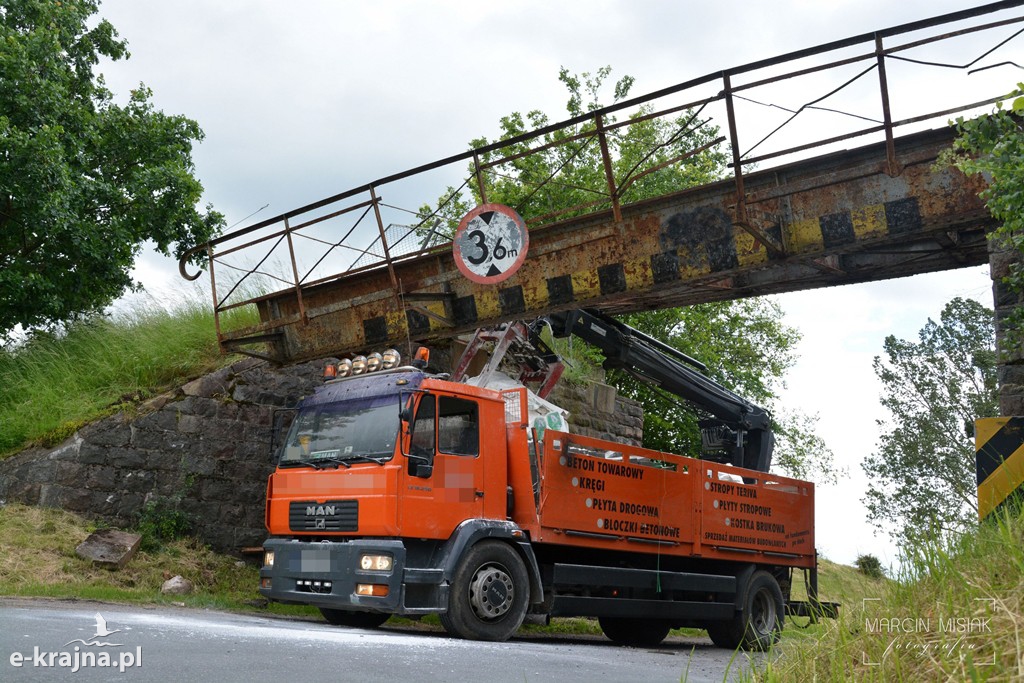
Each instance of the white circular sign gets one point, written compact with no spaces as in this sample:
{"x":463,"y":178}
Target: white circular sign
{"x":490,"y":244}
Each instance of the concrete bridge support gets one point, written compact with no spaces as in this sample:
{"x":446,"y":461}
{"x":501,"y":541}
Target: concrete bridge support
{"x":999,"y":441}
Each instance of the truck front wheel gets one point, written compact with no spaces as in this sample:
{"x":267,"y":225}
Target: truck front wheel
{"x":759,"y":625}
{"x":489,"y":594}
{"x":340,"y":617}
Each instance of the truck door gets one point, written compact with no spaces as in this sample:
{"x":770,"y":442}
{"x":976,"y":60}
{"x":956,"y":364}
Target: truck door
{"x":443,"y":480}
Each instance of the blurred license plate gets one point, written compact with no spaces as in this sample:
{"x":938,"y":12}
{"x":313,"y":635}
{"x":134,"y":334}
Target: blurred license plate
{"x":315,"y":560}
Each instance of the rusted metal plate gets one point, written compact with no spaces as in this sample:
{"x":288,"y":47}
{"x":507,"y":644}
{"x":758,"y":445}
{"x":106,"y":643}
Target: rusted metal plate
{"x":840,"y":218}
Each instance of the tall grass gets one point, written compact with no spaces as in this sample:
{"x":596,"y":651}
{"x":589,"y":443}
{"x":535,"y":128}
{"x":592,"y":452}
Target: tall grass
{"x":955,"y":612}
{"x":53,"y":383}
{"x":37,"y":558}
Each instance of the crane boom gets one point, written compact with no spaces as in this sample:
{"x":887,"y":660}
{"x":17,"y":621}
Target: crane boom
{"x":740,"y":432}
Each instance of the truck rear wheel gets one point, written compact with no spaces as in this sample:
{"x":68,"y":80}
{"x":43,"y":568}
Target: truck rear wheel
{"x":635,"y":632}
{"x":759,"y":625}
{"x":340,"y":617}
{"x":489,"y":594}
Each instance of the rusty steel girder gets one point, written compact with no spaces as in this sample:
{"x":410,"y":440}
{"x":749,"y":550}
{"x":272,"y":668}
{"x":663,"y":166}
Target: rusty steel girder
{"x":834,"y":219}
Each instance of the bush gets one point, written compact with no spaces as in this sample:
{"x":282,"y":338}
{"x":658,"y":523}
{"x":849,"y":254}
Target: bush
{"x":161,"y":520}
{"x":869,"y":565}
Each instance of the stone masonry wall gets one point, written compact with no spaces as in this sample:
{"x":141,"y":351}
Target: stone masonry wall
{"x":206,"y":448}
{"x":205,"y":445}
{"x":595,"y":410}
{"x":1010,"y":374}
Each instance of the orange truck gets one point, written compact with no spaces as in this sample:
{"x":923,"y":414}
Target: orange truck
{"x":400,"y":491}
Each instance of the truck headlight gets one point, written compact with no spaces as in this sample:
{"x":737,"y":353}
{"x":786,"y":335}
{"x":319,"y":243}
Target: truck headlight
{"x":376,"y":563}
{"x":268,"y":558}
{"x":391,"y":359}
{"x":374,"y":362}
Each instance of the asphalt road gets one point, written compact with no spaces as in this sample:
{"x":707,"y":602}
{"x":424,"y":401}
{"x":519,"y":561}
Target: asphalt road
{"x":169,"y":644}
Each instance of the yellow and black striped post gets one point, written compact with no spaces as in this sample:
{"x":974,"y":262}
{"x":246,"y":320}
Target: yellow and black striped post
{"x":999,"y":457}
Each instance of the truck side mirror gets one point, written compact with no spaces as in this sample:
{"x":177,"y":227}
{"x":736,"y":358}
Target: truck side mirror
{"x":421,"y":462}
{"x":406,"y":409}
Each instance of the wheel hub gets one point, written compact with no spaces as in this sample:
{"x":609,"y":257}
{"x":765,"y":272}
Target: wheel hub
{"x":764,"y":617}
{"x":491,"y":592}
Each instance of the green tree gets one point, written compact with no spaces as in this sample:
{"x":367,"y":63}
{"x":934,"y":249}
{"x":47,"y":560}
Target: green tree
{"x":746,"y":347}
{"x":921,"y":479}
{"x":84,"y":182}
{"x":994,"y":145}
{"x":566,"y":176}
{"x":745,"y":343}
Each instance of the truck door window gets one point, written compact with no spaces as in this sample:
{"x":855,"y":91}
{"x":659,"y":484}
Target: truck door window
{"x":458,"y":430}
{"x":421,"y":444}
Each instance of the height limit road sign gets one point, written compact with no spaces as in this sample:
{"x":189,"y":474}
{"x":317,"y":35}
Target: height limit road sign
{"x":490,"y":244}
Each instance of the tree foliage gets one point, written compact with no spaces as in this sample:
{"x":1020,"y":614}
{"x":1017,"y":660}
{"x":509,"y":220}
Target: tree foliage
{"x":568,"y":171}
{"x":921,"y":477}
{"x":747,"y":348}
{"x":84,"y":182}
{"x":994,"y":145}
{"x":744,"y":343}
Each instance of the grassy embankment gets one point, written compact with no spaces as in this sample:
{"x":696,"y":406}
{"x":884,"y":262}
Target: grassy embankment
{"x":955,"y":613}
{"x":52,"y":385}
{"x":37,"y":558}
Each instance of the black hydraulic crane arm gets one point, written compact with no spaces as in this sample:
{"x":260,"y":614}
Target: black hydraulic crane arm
{"x":741,"y":431}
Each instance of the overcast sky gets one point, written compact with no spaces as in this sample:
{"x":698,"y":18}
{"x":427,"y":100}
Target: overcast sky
{"x":300,"y":101}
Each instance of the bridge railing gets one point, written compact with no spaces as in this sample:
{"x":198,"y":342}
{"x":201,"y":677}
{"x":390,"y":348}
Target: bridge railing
{"x":867,"y":87}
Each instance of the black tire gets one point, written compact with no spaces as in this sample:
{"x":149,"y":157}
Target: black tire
{"x":489,"y":594}
{"x":635,"y":632}
{"x":759,"y":625}
{"x":340,"y":617}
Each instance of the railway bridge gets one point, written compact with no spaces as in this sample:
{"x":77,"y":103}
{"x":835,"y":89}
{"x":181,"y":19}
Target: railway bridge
{"x":832,"y":178}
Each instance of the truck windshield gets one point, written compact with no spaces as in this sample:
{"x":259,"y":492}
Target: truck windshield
{"x":345,"y":432}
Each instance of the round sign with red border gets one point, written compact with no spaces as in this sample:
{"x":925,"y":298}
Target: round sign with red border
{"x":490,"y":244}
